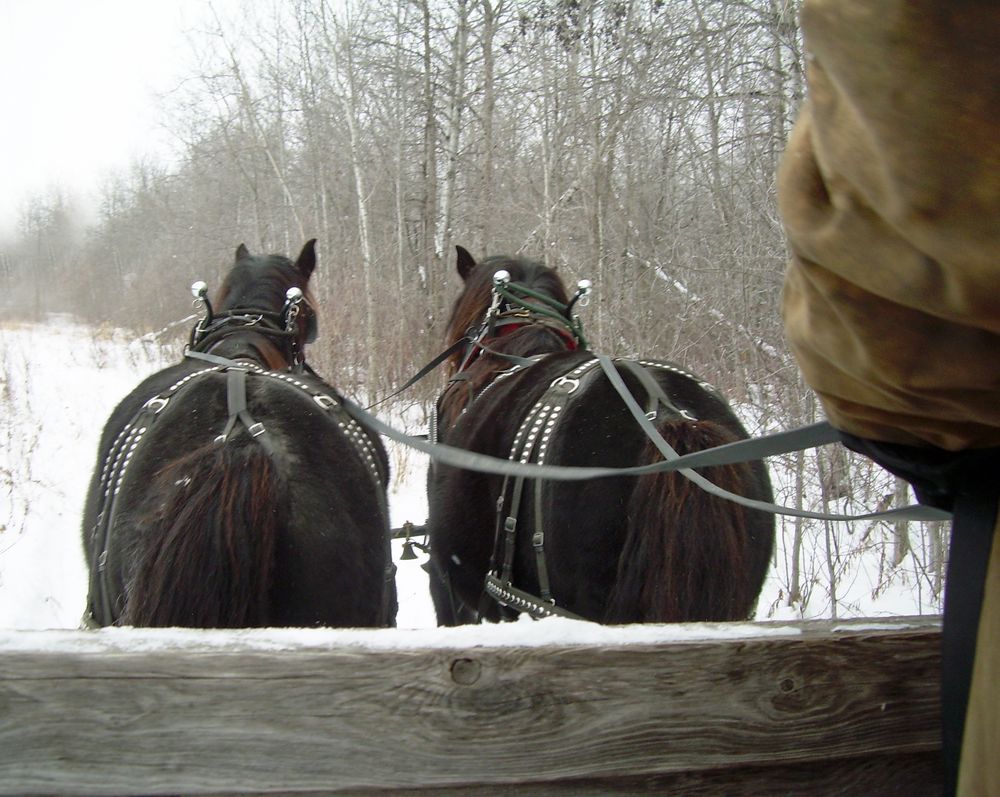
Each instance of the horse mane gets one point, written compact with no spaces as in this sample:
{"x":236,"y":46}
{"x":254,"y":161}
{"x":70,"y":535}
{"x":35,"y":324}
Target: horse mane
{"x":468,"y":312}
{"x":260,"y":282}
{"x":472,"y":304}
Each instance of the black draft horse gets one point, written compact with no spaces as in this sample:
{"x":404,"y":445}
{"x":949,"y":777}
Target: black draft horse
{"x":231,"y":489}
{"x":651,"y":548}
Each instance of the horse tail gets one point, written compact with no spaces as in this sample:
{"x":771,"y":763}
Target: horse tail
{"x":209,"y":545}
{"x":688,"y":555}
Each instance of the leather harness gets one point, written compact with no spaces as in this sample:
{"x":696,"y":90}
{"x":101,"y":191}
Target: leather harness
{"x":122,"y":451}
{"x":530,"y":446}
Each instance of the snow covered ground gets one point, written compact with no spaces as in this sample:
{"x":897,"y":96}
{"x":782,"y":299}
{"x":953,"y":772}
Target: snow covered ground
{"x":59,"y":382}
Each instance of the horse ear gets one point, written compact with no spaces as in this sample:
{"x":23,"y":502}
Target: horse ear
{"x":242,"y":252}
{"x":466,"y":262}
{"x":307,"y":258}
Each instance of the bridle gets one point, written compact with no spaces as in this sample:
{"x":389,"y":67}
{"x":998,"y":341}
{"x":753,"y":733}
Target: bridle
{"x":514,"y":306}
{"x":508,"y":312}
{"x":280,"y":328}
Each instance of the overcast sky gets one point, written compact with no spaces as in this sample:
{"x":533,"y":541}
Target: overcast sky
{"x":79,"y":81}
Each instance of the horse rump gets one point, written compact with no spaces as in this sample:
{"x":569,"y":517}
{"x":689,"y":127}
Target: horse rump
{"x":207,"y":546}
{"x":688,"y":555}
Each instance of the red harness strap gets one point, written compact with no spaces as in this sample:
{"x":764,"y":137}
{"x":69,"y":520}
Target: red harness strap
{"x":506,"y":327}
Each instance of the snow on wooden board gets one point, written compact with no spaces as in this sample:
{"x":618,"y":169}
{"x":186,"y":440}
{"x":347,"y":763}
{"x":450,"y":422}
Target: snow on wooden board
{"x":553,"y":707}
{"x":526,"y":633}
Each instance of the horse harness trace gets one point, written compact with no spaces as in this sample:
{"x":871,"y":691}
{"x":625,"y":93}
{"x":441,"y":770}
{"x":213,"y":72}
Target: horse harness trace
{"x":530,"y":446}
{"x":99,"y":610}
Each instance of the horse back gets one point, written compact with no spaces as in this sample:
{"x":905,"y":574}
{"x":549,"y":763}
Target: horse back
{"x":585,"y":522}
{"x":329,"y":556}
{"x":689,"y":555}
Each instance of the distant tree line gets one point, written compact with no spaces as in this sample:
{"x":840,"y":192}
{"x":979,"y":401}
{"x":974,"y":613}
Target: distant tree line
{"x":633,"y":143}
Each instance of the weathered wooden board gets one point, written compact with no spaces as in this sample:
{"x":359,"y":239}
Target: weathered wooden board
{"x":912,"y":775}
{"x":737,"y":709}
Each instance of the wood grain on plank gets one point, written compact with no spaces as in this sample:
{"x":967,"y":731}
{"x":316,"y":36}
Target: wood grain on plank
{"x":239,"y":719}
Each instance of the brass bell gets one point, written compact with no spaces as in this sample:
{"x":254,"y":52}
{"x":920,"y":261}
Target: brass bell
{"x":408,"y":554}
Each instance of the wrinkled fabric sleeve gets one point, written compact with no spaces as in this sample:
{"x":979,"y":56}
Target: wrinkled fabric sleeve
{"x":889,"y":191}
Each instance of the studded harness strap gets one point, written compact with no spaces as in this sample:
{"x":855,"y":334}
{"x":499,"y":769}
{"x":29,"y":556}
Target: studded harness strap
{"x":125,"y":445}
{"x":530,"y":445}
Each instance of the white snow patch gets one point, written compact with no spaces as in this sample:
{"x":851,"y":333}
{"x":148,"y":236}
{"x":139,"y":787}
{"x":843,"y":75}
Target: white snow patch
{"x":555,"y":631}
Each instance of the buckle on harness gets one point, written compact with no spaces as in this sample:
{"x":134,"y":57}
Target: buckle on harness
{"x":257,"y":429}
{"x":325,"y":401}
{"x":155,"y":404}
{"x":567,"y":383}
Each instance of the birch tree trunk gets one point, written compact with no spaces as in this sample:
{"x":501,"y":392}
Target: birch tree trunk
{"x":429,"y":200}
{"x":342,"y":53}
{"x":795,"y":576}
{"x":484,"y":223}
{"x":400,"y":183}
{"x":900,"y":529}
{"x":443,"y":236}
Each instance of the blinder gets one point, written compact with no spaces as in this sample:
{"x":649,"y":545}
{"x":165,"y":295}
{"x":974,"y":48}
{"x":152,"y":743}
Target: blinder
{"x":312,"y":326}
